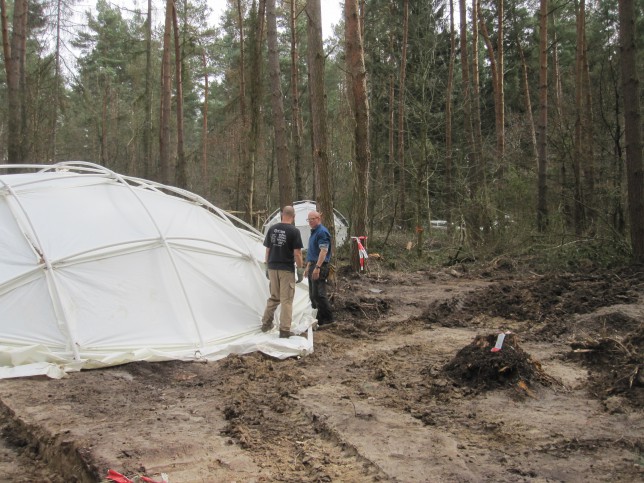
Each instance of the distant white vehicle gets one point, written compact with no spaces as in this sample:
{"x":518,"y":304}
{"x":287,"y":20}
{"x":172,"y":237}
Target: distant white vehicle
{"x":442,"y":224}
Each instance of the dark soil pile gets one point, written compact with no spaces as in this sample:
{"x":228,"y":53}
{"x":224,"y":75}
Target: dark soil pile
{"x":476,"y":365}
{"x":616,"y":365}
{"x":546,"y":303}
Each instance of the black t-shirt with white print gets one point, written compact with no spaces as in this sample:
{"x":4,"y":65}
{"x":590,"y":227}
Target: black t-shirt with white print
{"x":282,"y":239}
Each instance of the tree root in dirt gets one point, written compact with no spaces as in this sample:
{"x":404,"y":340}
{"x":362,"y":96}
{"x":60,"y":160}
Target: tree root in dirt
{"x":476,"y":365}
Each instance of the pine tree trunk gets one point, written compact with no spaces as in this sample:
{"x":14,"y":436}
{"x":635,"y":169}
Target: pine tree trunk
{"x":358,"y":76}
{"x":147,"y":123}
{"x":402,"y":181}
{"x":479,"y":171}
{"x":449,"y":154}
{"x":465,"y":79}
{"x":633,"y":127}
{"x":296,"y":122}
{"x":279,"y":123}
{"x":204,"y":126}
{"x":528,"y":102}
{"x":182,"y":169}
{"x":542,"y":205}
{"x":318,"y":113}
{"x":166,"y":98}
{"x":14,"y":62}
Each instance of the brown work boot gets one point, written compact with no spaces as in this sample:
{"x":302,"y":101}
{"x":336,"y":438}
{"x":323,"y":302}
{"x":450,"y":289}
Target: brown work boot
{"x":267,"y":326}
{"x":285,"y":334}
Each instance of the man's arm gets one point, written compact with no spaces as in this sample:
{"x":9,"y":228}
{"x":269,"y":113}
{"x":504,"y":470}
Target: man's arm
{"x":320,"y":261}
{"x":298,"y":257}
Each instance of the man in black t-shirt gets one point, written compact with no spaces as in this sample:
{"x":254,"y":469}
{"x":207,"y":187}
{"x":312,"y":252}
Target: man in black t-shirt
{"x":283,"y":244}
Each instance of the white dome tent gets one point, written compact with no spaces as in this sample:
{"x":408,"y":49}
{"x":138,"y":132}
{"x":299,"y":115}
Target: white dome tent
{"x":101,"y":269}
{"x":302,"y":209}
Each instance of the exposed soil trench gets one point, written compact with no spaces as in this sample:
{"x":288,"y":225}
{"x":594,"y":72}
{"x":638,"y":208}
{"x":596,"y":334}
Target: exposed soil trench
{"x":404,"y":387}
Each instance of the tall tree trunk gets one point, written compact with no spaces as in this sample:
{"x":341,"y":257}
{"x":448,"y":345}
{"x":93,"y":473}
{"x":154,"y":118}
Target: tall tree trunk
{"x":166,"y":98}
{"x":588,"y":137}
{"x":52,"y":153}
{"x":255,"y":87}
{"x":14,"y":62}
{"x":449,"y":154}
{"x":296,"y":122}
{"x":528,"y":102}
{"x":244,"y":136}
{"x":465,"y":79}
{"x":564,"y":199}
{"x":279,"y":123}
{"x":360,"y":168}
{"x":579,"y":212}
{"x":633,"y":127}
{"x":204,"y":125}
{"x":542,"y":205}
{"x":391,"y":172}
{"x":317,"y":99}
{"x":479,"y":171}
{"x":402,"y":186}
{"x":147,"y":126}
{"x":496,"y":66}
{"x":500,"y":80}
{"x":105,"y":159}
{"x":182,"y":170}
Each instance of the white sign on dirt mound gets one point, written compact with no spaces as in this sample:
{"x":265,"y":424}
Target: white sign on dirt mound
{"x":100,"y":269}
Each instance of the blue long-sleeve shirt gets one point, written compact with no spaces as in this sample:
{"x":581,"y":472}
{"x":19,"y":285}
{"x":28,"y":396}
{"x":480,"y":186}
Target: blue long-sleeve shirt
{"x":320,"y":238}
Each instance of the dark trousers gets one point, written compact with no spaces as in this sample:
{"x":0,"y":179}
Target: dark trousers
{"x":318,"y":295}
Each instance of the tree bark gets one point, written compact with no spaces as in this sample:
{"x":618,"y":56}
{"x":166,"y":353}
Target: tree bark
{"x":296,"y":122}
{"x":542,"y":205}
{"x":449,"y":154}
{"x":579,"y":212}
{"x":147,"y":127}
{"x":14,"y":62}
{"x":182,"y":169}
{"x":633,"y":127}
{"x":166,"y":98}
{"x":317,"y":96}
{"x":528,"y":102}
{"x":279,"y":123}
{"x":402,"y":186}
{"x":465,"y":79}
{"x":360,"y":168}
{"x":255,"y":39}
{"x":204,"y":125}
{"x":479,"y":171}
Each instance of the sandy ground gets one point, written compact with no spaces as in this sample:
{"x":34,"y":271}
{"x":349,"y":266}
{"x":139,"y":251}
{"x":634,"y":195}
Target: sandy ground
{"x":562,"y":400}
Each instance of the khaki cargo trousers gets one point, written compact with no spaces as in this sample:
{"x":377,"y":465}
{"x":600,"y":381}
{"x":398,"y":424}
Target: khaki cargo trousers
{"x":282,"y":287}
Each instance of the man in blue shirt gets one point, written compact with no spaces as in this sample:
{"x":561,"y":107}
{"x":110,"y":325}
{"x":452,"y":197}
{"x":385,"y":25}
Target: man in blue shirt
{"x":317,"y":267}
{"x":283,"y":244}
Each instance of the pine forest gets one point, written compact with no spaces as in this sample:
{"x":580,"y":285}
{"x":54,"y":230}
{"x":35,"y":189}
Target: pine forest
{"x":515,"y":123}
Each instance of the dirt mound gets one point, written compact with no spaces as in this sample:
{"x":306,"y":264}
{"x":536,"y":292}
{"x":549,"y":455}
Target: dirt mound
{"x":477,"y":365}
{"x":545,"y":304}
{"x":616,"y":365}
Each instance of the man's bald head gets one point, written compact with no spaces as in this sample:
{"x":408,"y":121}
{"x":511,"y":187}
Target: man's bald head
{"x":288,"y":214}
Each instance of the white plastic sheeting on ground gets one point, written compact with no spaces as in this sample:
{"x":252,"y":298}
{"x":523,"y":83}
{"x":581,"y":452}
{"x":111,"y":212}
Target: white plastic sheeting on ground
{"x":100,"y":269}
{"x":302,"y":209}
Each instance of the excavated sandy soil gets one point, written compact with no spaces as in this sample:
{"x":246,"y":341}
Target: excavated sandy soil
{"x":404,"y":387}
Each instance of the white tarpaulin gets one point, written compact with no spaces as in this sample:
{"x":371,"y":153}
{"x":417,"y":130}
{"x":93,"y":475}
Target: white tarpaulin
{"x":302,"y":209}
{"x":100,"y":269}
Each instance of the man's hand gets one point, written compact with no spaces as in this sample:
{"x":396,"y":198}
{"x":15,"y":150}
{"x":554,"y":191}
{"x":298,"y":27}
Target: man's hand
{"x":300,"y":274}
{"x":267,"y":277}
